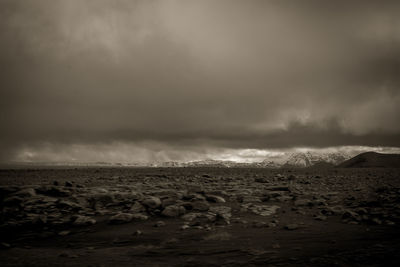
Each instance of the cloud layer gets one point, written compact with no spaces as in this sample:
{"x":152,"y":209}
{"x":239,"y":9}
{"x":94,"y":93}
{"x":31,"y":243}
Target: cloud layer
{"x":195,"y":74}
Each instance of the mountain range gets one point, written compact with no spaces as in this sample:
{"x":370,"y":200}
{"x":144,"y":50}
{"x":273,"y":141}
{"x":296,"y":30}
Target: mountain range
{"x":290,"y":160}
{"x":286,"y":160}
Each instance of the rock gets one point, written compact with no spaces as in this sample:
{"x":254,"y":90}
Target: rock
{"x":291,"y":226}
{"x":64,"y":233}
{"x":65,"y":204}
{"x":260,"y":224}
{"x":137,"y":232}
{"x":139,"y":217}
{"x":377,"y":221}
{"x":193,"y":196}
{"x":215,"y":199}
{"x":277,"y":188}
{"x":173,"y":211}
{"x":320,"y":218}
{"x":101,"y":199}
{"x":184,"y":227}
{"x":336,"y":210}
{"x":349,"y":215}
{"x":36,"y":219}
{"x":261,"y":180}
{"x":273,"y":194}
{"x":248,"y":199}
{"x":120,"y":218}
{"x":25,"y":193}
{"x":222,"y":212}
{"x":218,"y":236}
{"x":53,"y":191}
{"x":83,"y":221}
{"x":13,"y":201}
{"x":303,"y":202}
{"x":168,"y":202}
{"x":200,"y":206}
{"x":4,"y":245}
{"x":68,"y":255}
{"x":159,"y":224}
{"x":199,"y":217}
{"x":152,"y":202}
{"x":263,"y":210}
{"x":68,"y":184}
{"x":137,"y":208}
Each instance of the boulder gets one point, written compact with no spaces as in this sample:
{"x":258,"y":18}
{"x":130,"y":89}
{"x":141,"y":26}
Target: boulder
{"x":152,"y":202}
{"x":215,"y":199}
{"x":291,"y":226}
{"x":263,"y":210}
{"x":303,"y":202}
{"x":173,"y":211}
{"x":83,"y":221}
{"x":25,"y":193}
{"x":137,"y":208}
{"x":121,"y":218}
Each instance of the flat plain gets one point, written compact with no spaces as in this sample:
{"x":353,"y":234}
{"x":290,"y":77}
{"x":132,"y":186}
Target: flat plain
{"x":199,"y":217}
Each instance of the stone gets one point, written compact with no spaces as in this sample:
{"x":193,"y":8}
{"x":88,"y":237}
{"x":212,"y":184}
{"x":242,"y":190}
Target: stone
{"x":261,"y":180}
{"x":215,"y":199}
{"x":13,"y":201}
{"x":53,"y":191}
{"x":291,"y":226}
{"x":83,"y":221}
{"x":159,"y":224}
{"x":223,"y":212}
{"x":200,"y":206}
{"x":260,"y":224}
{"x":101,"y":199}
{"x":139,"y":217}
{"x":137,"y":232}
{"x":320,"y":218}
{"x":4,"y":245}
{"x":199,"y":217}
{"x":184,"y":227}
{"x":120,"y":218}
{"x":25,"y":193}
{"x":277,"y":188}
{"x":152,"y":202}
{"x":263,"y":210}
{"x":349,"y":215}
{"x":248,"y":199}
{"x":173,"y":211}
{"x":137,"y":208}
{"x":64,"y":233}
{"x":303,"y":202}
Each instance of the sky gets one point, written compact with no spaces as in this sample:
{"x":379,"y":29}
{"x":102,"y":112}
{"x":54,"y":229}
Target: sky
{"x":124,"y":80}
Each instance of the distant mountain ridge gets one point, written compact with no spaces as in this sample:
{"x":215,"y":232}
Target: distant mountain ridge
{"x":372,"y":160}
{"x":309,"y":159}
{"x":292,"y":160}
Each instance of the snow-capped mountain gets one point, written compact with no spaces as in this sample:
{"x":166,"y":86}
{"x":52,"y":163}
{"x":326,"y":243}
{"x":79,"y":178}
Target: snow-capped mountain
{"x":308,"y":159}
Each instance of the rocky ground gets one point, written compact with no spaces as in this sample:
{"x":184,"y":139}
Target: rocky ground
{"x":199,"y":217}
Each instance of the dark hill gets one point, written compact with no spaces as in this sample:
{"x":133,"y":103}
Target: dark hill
{"x":322,"y":165}
{"x":372,"y":160}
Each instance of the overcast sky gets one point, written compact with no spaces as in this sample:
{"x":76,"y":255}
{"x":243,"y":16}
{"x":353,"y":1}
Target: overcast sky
{"x":196,"y":76}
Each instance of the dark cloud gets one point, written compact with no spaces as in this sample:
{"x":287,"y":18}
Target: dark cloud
{"x":233,"y":74}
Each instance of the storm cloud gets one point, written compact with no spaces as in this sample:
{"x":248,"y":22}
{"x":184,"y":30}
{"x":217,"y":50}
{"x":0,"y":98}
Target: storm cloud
{"x":198,"y":75}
